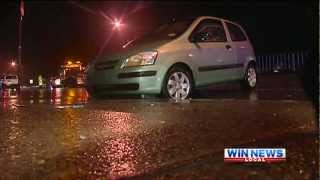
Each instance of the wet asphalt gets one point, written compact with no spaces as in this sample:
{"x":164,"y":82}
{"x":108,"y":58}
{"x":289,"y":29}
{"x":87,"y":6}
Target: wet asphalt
{"x":65,"y":134}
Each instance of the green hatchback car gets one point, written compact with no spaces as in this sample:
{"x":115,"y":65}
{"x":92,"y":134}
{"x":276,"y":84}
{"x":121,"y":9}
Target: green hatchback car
{"x":175,"y":59}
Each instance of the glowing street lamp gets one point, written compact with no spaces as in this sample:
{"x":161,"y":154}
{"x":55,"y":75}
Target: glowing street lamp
{"x":117,"y":24}
{"x":13,"y":64}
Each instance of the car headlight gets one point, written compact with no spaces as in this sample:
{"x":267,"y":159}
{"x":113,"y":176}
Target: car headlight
{"x":140,"y":59}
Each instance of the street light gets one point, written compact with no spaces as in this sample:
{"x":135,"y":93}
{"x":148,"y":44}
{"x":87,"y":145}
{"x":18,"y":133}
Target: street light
{"x":117,"y":24}
{"x":13,"y":64}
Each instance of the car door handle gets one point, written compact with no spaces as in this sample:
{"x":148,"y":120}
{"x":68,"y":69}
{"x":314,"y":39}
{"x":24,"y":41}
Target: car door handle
{"x":228,"y":47}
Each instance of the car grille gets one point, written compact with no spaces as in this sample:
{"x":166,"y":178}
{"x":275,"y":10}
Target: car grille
{"x":105,"y":65}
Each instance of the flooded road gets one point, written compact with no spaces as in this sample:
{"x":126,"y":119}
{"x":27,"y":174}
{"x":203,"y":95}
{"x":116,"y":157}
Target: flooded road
{"x":64,"y":134}
{"x":270,"y":87}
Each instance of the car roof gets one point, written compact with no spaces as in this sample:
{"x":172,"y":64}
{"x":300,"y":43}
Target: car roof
{"x":205,"y":17}
{"x":217,"y":18}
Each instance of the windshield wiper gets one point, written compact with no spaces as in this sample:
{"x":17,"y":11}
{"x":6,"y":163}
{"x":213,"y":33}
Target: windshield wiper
{"x":128,"y":43}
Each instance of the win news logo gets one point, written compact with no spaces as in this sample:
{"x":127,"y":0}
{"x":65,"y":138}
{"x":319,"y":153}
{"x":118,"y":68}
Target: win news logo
{"x":266,"y":155}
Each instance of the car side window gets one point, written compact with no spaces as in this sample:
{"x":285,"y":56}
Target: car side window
{"x":236,"y":33}
{"x":211,"y":30}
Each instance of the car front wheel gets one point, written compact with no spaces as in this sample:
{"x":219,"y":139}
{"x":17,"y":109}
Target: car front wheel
{"x":178,"y":84}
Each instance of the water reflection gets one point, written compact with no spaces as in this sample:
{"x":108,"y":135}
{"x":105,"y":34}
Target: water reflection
{"x":69,"y":133}
{"x":122,"y":156}
{"x":57,"y":96}
{"x":119,"y":122}
{"x":253,"y":96}
{"x":9,"y":98}
{"x":42,"y":93}
{"x":13,"y":133}
{"x":118,"y":156}
{"x":68,"y":96}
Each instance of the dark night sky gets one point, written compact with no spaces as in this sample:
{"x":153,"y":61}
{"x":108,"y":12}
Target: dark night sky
{"x":53,"y":31}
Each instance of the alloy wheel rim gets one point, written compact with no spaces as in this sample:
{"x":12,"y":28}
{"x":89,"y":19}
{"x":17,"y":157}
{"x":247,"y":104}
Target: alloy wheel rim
{"x":178,"y":86}
{"x":252,"y":77}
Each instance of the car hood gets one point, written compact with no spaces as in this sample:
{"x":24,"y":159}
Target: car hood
{"x":132,"y":49}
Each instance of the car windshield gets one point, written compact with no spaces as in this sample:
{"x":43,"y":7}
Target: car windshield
{"x":164,"y":31}
{"x":11,"y":77}
{"x":172,"y":29}
{"x":73,"y":72}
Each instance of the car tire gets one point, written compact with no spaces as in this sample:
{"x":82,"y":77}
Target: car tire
{"x":92,"y":93}
{"x":178,"y":83}
{"x":250,"y":77}
{"x":18,"y":87}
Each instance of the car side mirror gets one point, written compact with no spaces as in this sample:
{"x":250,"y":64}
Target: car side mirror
{"x":197,"y":37}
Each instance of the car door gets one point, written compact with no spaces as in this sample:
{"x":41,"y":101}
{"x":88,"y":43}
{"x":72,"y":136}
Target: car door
{"x":212,"y":52}
{"x":241,"y":46}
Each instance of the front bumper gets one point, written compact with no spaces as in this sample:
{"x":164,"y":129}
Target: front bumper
{"x":133,"y":80}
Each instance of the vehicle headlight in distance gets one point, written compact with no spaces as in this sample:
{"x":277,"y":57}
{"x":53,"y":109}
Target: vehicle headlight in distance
{"x":57,"y":81}
{"x":141,"y":59}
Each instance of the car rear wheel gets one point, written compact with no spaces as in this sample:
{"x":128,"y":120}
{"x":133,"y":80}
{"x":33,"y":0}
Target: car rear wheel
{"x":178,"y":84}
{"x":250,"y":78}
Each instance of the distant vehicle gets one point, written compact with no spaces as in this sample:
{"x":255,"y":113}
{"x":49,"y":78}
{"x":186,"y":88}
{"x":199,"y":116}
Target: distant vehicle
{"x":80,"y":80}
{"x":72,"y":74}
{"x":177,"y":58}
{"x":11,"y":81}
{"x":55,"y":82}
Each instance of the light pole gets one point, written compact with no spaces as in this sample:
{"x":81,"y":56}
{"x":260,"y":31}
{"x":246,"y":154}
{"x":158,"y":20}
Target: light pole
{"x":20,"y":40}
